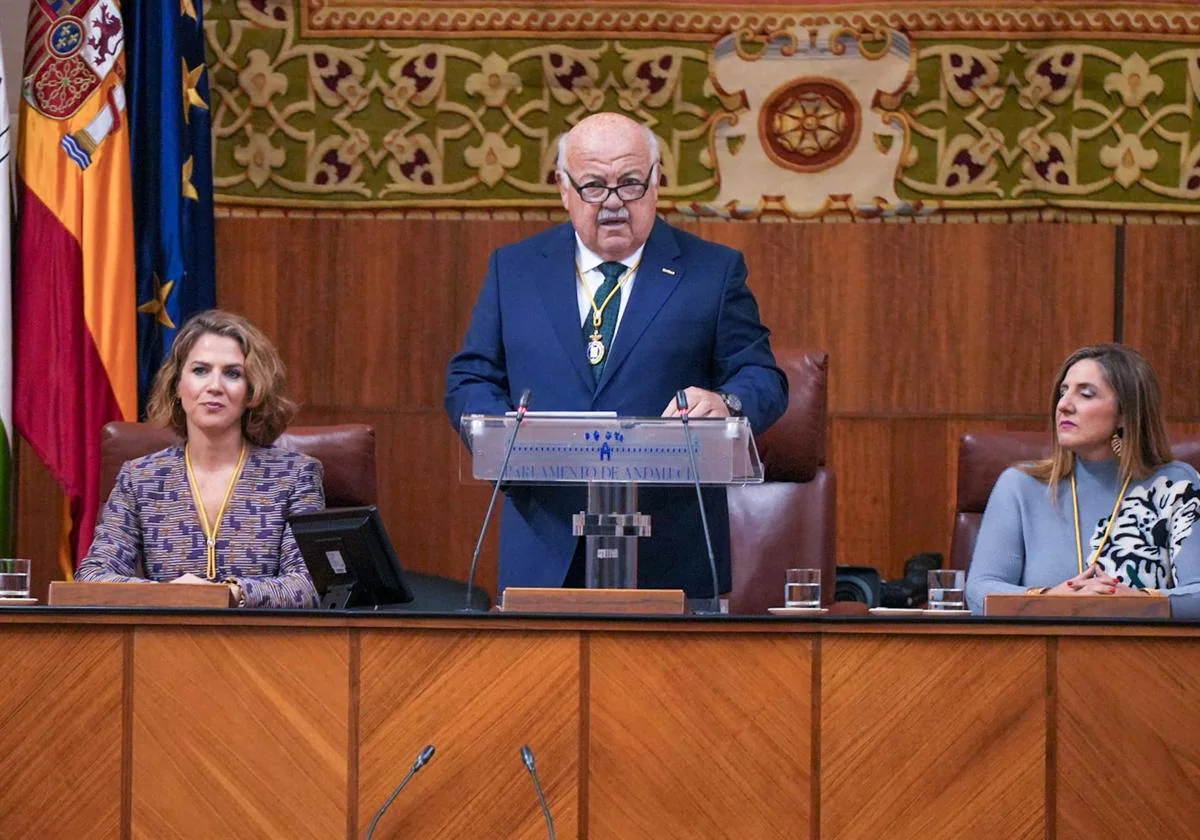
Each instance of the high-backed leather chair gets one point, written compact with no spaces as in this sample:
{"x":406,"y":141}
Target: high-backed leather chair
{"x":788,"y":520}
{"x":983,"y":456}
{"x":347,"y":453}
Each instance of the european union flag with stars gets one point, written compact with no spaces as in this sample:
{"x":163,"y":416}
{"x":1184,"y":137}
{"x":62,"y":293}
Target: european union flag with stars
{"x":170,"y":130}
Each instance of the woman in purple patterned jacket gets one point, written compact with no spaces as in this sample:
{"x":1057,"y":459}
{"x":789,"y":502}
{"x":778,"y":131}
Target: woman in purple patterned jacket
{"x":214,"y":509}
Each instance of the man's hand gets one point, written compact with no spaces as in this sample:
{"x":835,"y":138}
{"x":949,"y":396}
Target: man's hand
{"x":701,"y":403}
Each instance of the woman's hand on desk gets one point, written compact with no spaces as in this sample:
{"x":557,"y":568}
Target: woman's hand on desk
{"x":1091,"y":581}
{"x":190,"y":578}
{"x":235,"y":590}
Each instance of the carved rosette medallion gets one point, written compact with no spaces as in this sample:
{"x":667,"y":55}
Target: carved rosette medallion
{"x":810,"y":124}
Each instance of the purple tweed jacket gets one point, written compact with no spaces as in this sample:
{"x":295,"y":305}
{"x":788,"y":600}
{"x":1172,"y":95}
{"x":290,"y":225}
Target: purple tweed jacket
{"x":150,"y":520}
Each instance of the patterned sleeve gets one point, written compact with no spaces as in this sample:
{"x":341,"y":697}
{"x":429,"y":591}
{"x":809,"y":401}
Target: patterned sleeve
{"x":291,"y":587}
{"x":1185,"y":554}
{"x":117,"y":542}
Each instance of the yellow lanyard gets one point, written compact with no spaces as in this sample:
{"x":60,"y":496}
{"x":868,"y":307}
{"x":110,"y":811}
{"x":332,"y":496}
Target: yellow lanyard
{"x":598,"y":311}
{"x":210,"y":530}
{"x":1107,"y":531}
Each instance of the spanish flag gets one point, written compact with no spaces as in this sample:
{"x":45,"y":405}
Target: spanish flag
{"x":74,"y":323}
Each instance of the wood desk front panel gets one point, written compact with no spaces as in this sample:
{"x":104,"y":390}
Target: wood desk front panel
{"x":1128,"y":739}
{"x":933,"y":737}
{"x":190,"y":725}
{"x":239,"y":732}
{"x":477,"y":697}
{"x":61,"y":728}
{"x":699,"y":736}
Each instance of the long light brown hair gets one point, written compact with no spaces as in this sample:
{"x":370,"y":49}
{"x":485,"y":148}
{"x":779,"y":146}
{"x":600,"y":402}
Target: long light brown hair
{"x":268,"y":411}
{"x":1144,"y":443}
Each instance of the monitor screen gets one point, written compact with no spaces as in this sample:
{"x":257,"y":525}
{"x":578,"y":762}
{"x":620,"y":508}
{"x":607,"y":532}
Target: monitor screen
{"x":350,"y":558}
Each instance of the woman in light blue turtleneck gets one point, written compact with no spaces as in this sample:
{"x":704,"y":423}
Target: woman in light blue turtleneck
{"x":1109,"y":511}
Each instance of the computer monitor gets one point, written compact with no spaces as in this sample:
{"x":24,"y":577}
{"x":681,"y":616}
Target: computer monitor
{"x":350,"y":558}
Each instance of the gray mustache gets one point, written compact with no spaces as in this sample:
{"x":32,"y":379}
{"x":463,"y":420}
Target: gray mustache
{"x":607,"y":215}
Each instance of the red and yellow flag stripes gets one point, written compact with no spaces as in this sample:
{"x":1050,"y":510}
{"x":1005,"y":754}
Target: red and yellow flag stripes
{"x":74,"y":308}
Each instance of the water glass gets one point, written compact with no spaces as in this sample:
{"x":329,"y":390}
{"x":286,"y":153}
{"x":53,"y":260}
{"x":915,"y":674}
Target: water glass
{"x":14,"y":578}
{"x":802,"y":588}
{"x":947,"y":589}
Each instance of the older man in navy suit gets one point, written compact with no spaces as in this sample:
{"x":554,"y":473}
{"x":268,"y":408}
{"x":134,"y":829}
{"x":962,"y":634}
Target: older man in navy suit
{"x":615,"y":311}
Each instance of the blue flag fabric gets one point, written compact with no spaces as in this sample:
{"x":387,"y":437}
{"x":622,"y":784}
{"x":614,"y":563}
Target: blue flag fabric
{"x":171,"y":137}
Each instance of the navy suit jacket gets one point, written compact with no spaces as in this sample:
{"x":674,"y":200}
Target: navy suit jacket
{"x":690,"y":320}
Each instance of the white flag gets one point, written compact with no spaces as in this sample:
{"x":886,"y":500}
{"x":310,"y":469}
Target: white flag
{"x":6,"y":383}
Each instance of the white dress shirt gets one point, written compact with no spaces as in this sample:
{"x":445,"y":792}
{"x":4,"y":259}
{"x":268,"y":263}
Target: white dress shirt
{"x":588,"y":264}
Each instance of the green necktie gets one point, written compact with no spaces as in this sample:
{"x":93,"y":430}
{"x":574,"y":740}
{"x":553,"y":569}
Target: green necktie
{"x":612,"y":272}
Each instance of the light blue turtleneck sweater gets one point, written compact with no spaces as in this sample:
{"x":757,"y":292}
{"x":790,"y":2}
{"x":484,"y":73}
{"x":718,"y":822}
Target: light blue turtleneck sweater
{"x":1027,"y":540}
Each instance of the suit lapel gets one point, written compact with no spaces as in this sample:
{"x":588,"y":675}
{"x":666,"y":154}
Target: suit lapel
{"x":657,"y":277}
{"x":556,"y":284}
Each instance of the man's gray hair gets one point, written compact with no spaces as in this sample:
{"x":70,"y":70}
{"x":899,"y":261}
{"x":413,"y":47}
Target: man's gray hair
{"x":651,"y":143}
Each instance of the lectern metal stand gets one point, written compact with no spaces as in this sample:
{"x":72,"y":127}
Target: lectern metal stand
{"x":610,"y":528}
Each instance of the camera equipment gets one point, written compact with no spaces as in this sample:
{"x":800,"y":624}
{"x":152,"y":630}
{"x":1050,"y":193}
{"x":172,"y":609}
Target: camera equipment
{"x":858,"y":583}
{"x":912,"y":590}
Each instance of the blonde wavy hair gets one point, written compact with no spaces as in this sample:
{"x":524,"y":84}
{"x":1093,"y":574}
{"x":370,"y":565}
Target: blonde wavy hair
{"x":268,"y":412}
{"x":1145,"y":445}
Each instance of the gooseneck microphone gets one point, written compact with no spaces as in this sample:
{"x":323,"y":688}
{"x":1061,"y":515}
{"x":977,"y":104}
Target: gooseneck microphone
{"x":527,"y":757}
{"x":422,"y":759}
{"x":522,"y":407}
{"x":681,"y":404}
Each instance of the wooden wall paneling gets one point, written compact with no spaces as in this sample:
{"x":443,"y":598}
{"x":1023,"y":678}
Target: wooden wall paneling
{"x":897,"y":480}
{"x":922,"y":474}
{"x":1128,"y":745}
{"x":783,"y":261}
{"x":477,"y":697}
{"x":930,"y":318}
{"x":1162,"y":299}
{"x":860,"y":452}
{"x":38,"y":522}
{"x":253,"y":268}
{"x":698,"y":736}
{"x":61,"y":732}
{"x":390,"y":310}
{"x":240,"y":732}
{"x":932,"y":737}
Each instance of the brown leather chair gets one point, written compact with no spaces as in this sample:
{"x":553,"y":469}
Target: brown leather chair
{"x":788,"y":520}
{"x":347,"y":453}
{"x":981,"y":459}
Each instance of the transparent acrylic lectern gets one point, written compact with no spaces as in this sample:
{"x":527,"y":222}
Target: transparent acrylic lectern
{"x":612,"y":456}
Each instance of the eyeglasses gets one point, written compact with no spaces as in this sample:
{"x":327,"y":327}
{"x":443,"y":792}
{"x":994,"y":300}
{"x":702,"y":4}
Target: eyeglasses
{"x":595,"y":193}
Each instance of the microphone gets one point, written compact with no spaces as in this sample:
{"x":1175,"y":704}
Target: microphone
{"x":681,"y":404}
{"x":522,"y":407}
{"x":527,"y":757}
{"x":422,"y":759}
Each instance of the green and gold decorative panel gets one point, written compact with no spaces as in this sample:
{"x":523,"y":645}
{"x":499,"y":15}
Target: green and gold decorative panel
{"x":1034,"y":110}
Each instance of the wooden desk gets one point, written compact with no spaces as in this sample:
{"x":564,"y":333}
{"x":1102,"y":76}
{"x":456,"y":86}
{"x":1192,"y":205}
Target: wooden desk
{"x":119,"y":724}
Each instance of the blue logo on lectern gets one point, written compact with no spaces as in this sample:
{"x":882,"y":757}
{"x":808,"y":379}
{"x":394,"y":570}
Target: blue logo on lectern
{"x":610,"y":437}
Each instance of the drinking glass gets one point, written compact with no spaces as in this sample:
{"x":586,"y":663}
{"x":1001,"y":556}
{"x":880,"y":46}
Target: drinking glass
{"x":14,"y":578}
{"x":802,"y":588}
{"x":947,"y":589}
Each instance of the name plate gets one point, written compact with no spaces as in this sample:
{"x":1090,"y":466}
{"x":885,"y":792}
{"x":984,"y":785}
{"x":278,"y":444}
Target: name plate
{"x":1078,"y":606}
{"x":519,"y":599}
{"x":87,"y":593}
